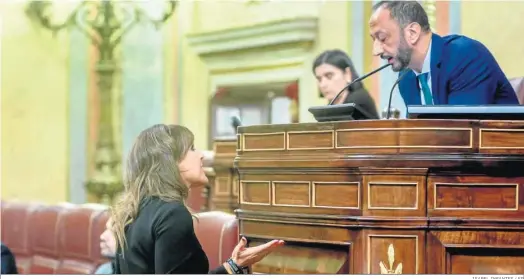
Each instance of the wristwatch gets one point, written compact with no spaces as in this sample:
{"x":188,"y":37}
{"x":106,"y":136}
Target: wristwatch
{"x":235,"y":268}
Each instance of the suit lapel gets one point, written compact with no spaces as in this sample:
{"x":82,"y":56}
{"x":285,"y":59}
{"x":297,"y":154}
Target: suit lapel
{"x":437,"y":46}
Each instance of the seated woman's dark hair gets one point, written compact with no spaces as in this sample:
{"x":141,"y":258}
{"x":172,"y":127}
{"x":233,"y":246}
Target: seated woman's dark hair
{"x":339,"y":59}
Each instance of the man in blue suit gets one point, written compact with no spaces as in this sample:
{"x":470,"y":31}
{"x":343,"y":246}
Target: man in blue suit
{"x":454,"y":69}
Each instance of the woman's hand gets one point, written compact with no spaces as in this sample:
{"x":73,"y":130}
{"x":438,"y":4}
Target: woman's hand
{"x":245,"y":257}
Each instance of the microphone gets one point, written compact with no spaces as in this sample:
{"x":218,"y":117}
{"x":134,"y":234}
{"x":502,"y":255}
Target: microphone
{"x":235,"y":122}
{"x":391,"y":93}
{"x":357,"y":80}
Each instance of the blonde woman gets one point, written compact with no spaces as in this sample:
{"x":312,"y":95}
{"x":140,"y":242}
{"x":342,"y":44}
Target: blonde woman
{"x":152,"y":225}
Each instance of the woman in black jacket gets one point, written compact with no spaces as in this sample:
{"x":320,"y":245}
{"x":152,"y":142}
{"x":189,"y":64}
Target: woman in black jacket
{"x":151,"y":222}
{"x":334,"y":70}
{"x":8,"y":261}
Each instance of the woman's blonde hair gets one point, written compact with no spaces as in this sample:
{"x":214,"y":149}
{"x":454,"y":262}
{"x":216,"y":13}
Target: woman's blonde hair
{"x":151,"y":170}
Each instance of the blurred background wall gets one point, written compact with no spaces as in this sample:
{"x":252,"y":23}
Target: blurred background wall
{"x":211,"y":59}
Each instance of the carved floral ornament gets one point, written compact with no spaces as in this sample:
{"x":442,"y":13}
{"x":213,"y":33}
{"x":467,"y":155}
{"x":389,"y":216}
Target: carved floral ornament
{"x":391,"y":260}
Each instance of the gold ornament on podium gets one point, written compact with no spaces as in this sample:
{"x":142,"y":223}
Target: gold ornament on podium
{"x":391,"y":260}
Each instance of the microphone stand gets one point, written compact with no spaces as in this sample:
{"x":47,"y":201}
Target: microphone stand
{"x":391,"y":93}
{"x":357,"y":80}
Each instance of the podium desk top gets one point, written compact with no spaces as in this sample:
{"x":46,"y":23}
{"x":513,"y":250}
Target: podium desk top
{"x":411,"y":139}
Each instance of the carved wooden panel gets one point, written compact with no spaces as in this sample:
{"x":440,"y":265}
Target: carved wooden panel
{"x":485,"y":260}
{"x":476,"y":252}
{"x":392,"y":195}
{"x":225,"y":148}
{"x":362,"y":138}
{"x":295,"y":232}
{"x":336,"y":195}
{"x":222,"y":185}
{"x":501,"y":139}
{"x":264,"y":141}
{"x":476,"y":195}
{"x":207,"y":191}
{"x":224,"y":195}
{"x":255,"y":192}
{"x":316,"y":192}
{"x":304,"y":258}
{"x":304,"y":141}
{"x":452,"y":138}
{"x":404,"y":195}
{"x":291,"y":193}
{"x":395,"y":252}
{"x":309,"y":248}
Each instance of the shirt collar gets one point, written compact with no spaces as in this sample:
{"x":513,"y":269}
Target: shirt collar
{"x":426,"y":67}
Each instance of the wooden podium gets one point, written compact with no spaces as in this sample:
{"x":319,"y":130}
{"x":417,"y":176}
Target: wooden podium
{"x":223,"y":192}
{"x":385,"y":196}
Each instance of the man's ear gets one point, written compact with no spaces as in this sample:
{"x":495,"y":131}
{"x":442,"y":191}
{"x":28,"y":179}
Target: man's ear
{"x":412,"y":33}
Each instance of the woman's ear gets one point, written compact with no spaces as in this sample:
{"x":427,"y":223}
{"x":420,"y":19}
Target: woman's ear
{"x":347,"y":75}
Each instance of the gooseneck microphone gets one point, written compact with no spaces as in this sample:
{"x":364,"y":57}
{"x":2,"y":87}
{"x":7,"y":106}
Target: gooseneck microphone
{"x":235,"y":122}
{"x":391,"y":92}
{"x":357,"y":80}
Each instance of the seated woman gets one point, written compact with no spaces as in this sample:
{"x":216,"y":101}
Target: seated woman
{"x":152,"y":225}
{"x":334,"y":70}
{"x":8,"y":261}
{"x":107,"y":249}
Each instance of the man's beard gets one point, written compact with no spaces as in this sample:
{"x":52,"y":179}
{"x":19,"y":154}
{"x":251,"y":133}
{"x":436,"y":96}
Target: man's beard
{"x":403,"y":57}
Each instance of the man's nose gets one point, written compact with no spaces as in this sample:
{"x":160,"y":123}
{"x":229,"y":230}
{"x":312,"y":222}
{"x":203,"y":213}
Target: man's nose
{"x":377,"y":49}
{"x":322,"y":84}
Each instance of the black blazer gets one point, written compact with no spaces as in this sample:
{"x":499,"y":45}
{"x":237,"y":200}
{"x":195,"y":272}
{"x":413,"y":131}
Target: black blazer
{"x":162,"y":240}
{"x":8,"y":261}
{"x":360,"y":96}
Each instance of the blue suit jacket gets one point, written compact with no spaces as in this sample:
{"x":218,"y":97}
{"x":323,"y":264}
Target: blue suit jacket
{"x":463,"y":72}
